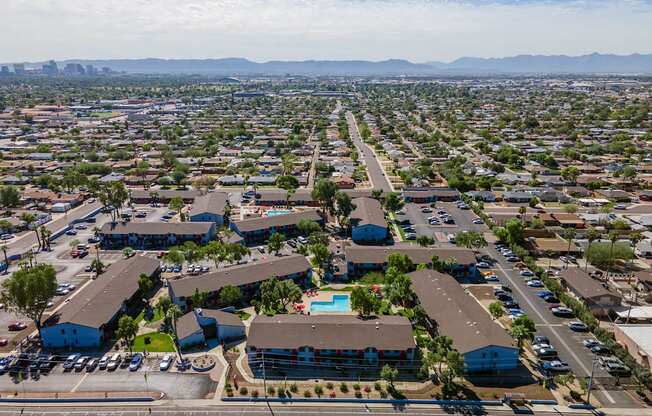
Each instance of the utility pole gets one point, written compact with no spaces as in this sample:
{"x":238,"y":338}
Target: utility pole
{"x":588,"y":393}
{"x":264,"y":377}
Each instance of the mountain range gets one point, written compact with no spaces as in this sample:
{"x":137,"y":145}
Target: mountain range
{"x":522,"y":64}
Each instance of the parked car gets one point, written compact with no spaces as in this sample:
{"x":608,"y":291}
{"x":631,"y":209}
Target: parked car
{"x":92,"y":365}
{"x":546,"y":352}
{"x":491,"y":278}
{"x":166,"y":362}
{"x":556,"y":366}
{"x":526,"y":273}
{"x":69,"y":363}
{"x":114,"y":362}
{"x":562,"y":312}
{"x":540,"y":339}
{"x":600,"y":349}
{"x":104,"y":362}
{"x":136,"y":362}
{"x":477,"y":221}
{"x":591,"y":342}
{"x":17,"y":326}
{"x":535,"y":283}
{"x":483,"y":265}
{"x":71,"y":231}
{"x":81,"y":363}
{"x":578,"y":326}
{"x":544,"y":293}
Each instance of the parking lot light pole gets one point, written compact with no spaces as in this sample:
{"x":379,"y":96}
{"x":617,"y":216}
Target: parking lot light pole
{"x":588,"y":393}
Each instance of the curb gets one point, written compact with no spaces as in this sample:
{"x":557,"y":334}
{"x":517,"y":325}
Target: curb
{"x":32,"y":400}
{"x":369,"y":401}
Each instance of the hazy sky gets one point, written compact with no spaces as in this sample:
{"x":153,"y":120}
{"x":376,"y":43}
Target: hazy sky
{"x":419,"y":30}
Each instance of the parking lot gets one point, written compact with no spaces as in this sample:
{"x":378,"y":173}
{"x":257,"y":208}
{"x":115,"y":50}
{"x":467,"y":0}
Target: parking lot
{"x":420,"y":215}
{"x":567,"y":342}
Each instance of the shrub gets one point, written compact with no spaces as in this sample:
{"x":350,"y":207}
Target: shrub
{"x":254,"y":393}
{"x":307,"y":394}
{"x":318,"y":390}
{"x":575,"y":395}
{"x":383,"y":394}
{"x":148,"y":340}
{"x":344,"y":388}
{"x":330,"y":386}
{"x":367,"y":389}
{"x":332,"y":395}
{"x":271,"y":390}
{"x":294,"y":388}
{"x":280,"y":393}
{"x":356,"y":386}
{"x":243,"y":391}
{"x":358,"y":395}
{"x":378,"y":386}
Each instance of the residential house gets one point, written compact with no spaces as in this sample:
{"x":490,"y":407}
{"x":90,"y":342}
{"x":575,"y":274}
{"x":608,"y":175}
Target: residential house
{"x":199,"y":326}
{"x":211,"y":207}
{"x":368,"y":224}
{"x":155,"y":235}
{"x":258,"y":230}
{"x":247,"y":277}
{"x":451,"y":311}
{"x":88,"y":320}
{"x":594,"y":293}
{"x":363,"y":259}
{"x":301,"y":342}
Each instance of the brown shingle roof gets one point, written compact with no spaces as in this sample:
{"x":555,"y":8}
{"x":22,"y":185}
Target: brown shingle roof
{"x":241,"y":275}
{"x":331,"y":332}
{"x":418,"y":255}
{"x":157,"y":228}
{"x":368,"y":211}
{"x":213,"y":203}
{"x":580,"y":283}
{"x":457,"y":314}
{"x":101,"y":299}
{"x":253,"y":224}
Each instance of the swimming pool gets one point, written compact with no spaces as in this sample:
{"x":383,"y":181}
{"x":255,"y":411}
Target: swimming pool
{"x":338,"y":303}
{"x":275,"y":212}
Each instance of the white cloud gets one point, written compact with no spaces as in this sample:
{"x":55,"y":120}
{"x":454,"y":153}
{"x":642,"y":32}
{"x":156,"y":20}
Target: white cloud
{"x":418,"y":30}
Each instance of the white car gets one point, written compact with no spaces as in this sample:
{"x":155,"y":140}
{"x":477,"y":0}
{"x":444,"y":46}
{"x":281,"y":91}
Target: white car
{"x":477,"y":221}
{"x":578,"y":326}
{"x":491,"y":278}
{"x":535,"y":283}
{"x":526,"y":273}
{"x":166,"y":362}
{"x":483,"y":265}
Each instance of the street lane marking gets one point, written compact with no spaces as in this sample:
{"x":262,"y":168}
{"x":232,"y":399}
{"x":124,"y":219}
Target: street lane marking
{"x":74,"y":389}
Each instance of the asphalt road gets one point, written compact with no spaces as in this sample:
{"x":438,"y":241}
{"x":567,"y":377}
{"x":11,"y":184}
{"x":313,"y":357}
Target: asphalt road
{"x":273,"y":410}
{"x":174,"y":385}
{"x":568,"y":343}
{"x":376,"y":174}
{"x":21,"y":245}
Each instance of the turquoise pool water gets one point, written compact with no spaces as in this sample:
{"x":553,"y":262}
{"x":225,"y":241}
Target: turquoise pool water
{"x":339,"y":303}
{"x":275,"y":212}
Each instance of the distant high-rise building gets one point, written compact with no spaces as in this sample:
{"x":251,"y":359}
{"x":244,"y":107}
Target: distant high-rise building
{"x":51,"y":69}
{"x":106,"y":70}
{"x":91,"y":70}
{"x":4,"y":70}
{"x":19,"y":69}
{"x":74,"y":69}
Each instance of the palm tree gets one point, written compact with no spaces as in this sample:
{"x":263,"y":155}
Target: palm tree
{"x":569,"y":233}
{"x":30,"y":219}
{"x":634,"y":237}
{"x":173,"y":314}
{"x":613,"y":237}
{"x":591,"y":235}
{"x":522,"y":210}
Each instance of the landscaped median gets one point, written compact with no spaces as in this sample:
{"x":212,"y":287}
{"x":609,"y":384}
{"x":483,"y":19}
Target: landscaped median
{"x":80,"y":397}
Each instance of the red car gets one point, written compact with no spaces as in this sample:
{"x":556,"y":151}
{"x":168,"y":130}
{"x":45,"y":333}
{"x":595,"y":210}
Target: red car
{"x":17,"y":326}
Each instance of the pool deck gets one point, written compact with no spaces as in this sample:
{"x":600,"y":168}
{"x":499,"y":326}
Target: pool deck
{"x":326,"y":296}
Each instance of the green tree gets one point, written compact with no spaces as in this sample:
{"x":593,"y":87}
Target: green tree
{"x":230,"y":295}
{"x":145,"y":284}
{"x":127,"y":330}
{"x":389,"y":374}
{"x":174,"y":256}
{"x":290,"y":184}
{"x":163,"y":304}
{"x":287,"y":292}
{"x":399,"y":290}
{"x":324,"y":193}
{"x":173,"y":314}
{"x":176,"y":204}
{"x":471,"y":239}
{"x":30,"y":222}
{"x":400,"y":262}
{"x":591,"y":235}
{"x":28,"y":291}
{"x":425,"y":240}
{"x":570,"y":173}
{"x":199,"y":299}
{"x":364,"y":301}
{"x":9,"y":196}
{"x":496,"y":310}
{"x":275,"y":243}
{"x":393,"y":202}
{"x":343,"y":208}
{"x":320,"y":253}
{"x":308,"y":227}
{"x":523,"y":329}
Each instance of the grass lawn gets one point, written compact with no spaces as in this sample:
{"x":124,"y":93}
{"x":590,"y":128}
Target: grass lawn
{"x":104,"y":115}
{"x":159,"y":342}
{"x":344,"y":289}
{"x":157,"y":316}
{"x":243,"y":315}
